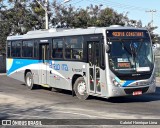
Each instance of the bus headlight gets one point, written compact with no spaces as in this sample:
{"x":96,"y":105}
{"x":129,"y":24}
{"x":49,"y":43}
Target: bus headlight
{"x":115,"y":83}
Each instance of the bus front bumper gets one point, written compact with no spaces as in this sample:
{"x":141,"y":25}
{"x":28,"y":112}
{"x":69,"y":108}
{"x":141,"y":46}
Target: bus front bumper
{"x":124,"y":91}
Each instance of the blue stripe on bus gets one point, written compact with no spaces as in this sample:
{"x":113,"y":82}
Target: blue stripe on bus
{"x":124,"y":83}
{"x":128,"y":82}
{"x":19,"y":63}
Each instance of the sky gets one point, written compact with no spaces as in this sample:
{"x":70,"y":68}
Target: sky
{"x":136,"y":9}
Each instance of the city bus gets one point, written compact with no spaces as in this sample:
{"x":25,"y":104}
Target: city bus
{"x":99,"y":61}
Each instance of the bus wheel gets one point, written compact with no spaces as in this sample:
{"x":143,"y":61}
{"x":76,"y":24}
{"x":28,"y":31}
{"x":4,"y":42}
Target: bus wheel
{"x":80,"y":89}
{"x":29,"y":80}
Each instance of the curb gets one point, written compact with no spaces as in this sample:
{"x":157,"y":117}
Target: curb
{"x":3,"y":74}
{"x":158,"y":79}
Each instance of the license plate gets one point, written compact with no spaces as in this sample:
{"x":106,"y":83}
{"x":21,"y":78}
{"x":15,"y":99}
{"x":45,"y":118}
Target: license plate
{"x":137,"y":93}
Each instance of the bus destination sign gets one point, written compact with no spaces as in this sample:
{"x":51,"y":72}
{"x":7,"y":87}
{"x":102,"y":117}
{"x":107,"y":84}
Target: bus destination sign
{"x":140,"y":34}
{"x":127,"y":33}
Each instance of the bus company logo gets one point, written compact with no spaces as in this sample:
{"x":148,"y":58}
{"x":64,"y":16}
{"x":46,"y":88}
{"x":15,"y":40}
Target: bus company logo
{"x":64,"y":67}
{"x":50,"y":64}
{"x":54,"y":66}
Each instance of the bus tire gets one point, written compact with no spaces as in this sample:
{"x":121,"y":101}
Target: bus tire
{"x":29,"y":80}
{"x":80,"y":88}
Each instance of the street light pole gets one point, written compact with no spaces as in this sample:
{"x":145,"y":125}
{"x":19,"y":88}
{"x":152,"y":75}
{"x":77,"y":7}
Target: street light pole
{"x":152,"y":11}
{"x":46,"y":10}
{"x":46,"y":13}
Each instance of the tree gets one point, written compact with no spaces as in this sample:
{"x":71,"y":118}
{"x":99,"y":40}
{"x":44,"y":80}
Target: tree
{"x":82,"y":18}
{"x":109,"y":17}
{"x":25,"y":15}
{"x":63,"y":16}
{"x":17,"y":19}
{"x":4,"y":28}
{"x":154,"y":37}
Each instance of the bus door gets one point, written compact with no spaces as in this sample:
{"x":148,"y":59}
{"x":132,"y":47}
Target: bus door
{"x":94,"y":66}
{"x":44,"y":58}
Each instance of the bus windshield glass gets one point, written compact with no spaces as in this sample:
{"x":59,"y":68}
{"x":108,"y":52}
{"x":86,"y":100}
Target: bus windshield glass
{"x":130,"y":55}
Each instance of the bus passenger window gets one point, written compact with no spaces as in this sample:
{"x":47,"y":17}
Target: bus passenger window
{"x":27,"y":47}
{"x":9,"y":49}
{"x":57,"y":48}
{"x":74,"y":48}
{"x":16,"y":49}
{"x":35,"y":48}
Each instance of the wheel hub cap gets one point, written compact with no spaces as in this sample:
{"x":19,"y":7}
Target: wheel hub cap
{"x":29,"y":81}
{"x":81,"y":88}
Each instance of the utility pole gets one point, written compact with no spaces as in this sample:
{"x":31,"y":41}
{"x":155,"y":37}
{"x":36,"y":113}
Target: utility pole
{"x":152,"y":12}
{"x":46,"y":12}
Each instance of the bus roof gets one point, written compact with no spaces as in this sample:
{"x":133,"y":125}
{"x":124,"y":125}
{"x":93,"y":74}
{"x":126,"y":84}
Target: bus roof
{"x":67,"y":32}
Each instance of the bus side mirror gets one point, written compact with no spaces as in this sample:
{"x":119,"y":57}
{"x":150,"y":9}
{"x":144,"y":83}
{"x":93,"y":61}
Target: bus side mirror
{"x":107,"y":48}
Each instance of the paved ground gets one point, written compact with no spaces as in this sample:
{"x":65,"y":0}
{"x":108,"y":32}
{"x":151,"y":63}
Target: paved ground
{"x":17,"y":102}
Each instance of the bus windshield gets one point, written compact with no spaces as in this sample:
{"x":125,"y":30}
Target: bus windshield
{"x":128,"y":56}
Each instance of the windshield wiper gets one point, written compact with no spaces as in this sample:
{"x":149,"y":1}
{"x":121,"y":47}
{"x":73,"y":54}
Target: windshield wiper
{"x":129,"y":52}
{"x":139,"y":47}
{"x":122,"y":42}
{"x":134,"y":50}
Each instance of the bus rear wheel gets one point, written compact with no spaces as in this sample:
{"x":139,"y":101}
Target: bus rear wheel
{"x":80,"y":88}
{"x":29,"y":80}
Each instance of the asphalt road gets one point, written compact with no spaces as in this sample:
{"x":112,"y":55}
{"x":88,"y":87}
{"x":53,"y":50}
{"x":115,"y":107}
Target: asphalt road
{"x":17,"y":102}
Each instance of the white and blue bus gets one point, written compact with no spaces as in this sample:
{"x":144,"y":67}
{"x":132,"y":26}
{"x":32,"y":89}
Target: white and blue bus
{"x":104,"y":62}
